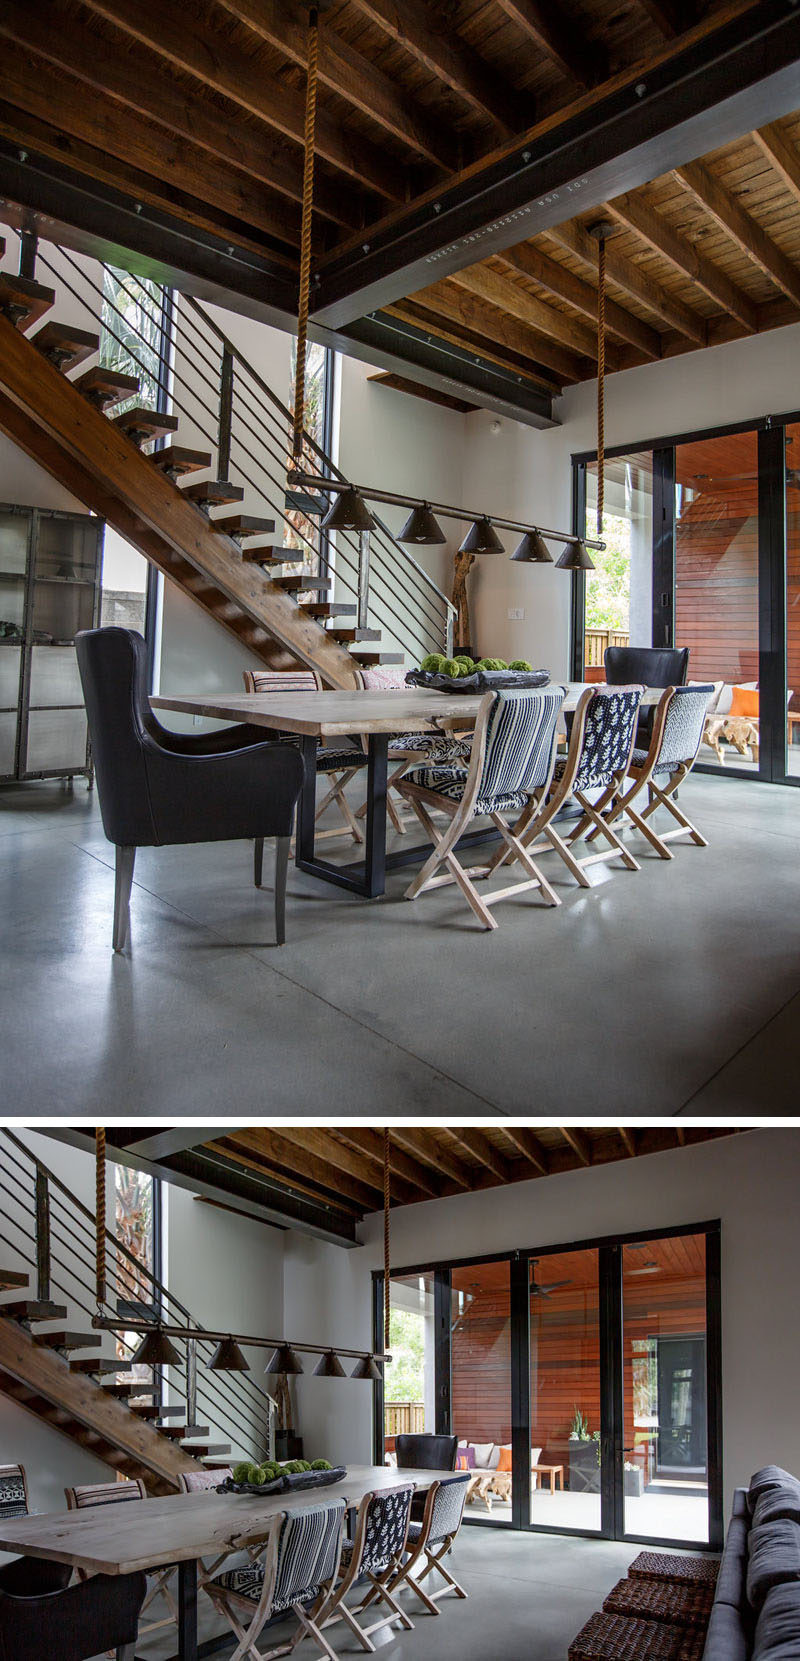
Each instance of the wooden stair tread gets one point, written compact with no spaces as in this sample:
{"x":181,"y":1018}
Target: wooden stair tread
{"x":144,"y":1409}
{"x":173,"y":1411}
{"x":243,"y":524}
{"x":34,"y":1309}
{"x":214,"y":491}
{"x":137,"y":1309}
{"x":268,"y":554}
{"x":23,"y":301}
{"x":100,"y":1365}
{"x":330,"y":608}
{"x":304,"y":584}
{"x":377,"y":657}
{"x":11,"y":1279}
{"x":200,"y":1449}
{"x":65,"y":346}
{"x":106,"y":386}
{"x":175,"y":458}
{"x":149,"y":422}
{"x":126,"y":1391}
{"x":179,"y":1433}
{"x":346,"y":635}
{"x":301,"y":501}
{"x":62,"y":1340}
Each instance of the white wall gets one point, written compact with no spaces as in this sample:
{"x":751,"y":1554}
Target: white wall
{"x":326,"y":1299}
{"x":750,"y":1182}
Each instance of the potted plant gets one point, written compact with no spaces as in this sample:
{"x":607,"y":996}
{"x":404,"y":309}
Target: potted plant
{"x":634,"y":1481}
{"x":584,"y":1455}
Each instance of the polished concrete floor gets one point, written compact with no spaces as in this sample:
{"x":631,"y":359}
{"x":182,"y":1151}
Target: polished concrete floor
{"x":527,"y":1597}
{"x":672,"y":990}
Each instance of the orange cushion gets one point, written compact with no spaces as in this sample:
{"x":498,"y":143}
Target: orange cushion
{"x":744,"y":702}
{"x":504,"y":1462}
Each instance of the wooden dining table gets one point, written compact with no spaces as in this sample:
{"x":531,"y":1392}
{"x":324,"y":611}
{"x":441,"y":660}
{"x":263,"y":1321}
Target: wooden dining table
{"x":183,"y":1529}
{"x":317,"y":716}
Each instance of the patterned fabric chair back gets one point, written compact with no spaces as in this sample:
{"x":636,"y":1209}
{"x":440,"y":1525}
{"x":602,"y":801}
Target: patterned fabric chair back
{"x":13,"y":1493}
{"x":683,"y":728}
{"x":382,"y":680}
{"x":201,"y":1482}
{"x":387,"y":1527}
{"x":308,"y":1553}
{"x":608,"y":735}
{"x":519,"y":741}
{"x":104,"y":1493}
{"x":448,"y":1508}
{"x":272,"y":680}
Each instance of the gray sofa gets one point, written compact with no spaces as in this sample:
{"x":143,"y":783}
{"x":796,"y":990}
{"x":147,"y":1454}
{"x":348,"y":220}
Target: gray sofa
{"x":756,"y":1613}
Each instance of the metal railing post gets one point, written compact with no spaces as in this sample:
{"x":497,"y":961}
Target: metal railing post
{"x":42,"y":1236}
{"x":363,"y":579}
{"x":225,"y":414}
{"x":191,"y":1381}
{"x":448,"y":631}
{"x":28,"y":249}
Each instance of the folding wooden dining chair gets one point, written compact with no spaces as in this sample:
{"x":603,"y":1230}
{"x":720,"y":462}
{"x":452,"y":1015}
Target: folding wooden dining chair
{"x":375,"y":1554}
{"x":601,"y":741}
{"x":410,"y":749}
{"x":340,"y":765}
{"x":301,"y":1555}
{"x":661,"y":769}
{"x":430,"y":1541}
{"x":511,"y":766}
{"x":159,"y":1580}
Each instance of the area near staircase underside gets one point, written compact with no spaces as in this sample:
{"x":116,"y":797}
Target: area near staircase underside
{"x":450,"y":165}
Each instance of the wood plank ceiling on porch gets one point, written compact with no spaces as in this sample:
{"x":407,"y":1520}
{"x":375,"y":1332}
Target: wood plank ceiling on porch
{"x":199,"y":130}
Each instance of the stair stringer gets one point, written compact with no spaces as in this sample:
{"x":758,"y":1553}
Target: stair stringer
{"x":147,"y":508}
{"x":82,"y":1410}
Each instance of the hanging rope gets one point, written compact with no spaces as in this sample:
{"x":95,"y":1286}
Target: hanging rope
{"x":305,"y":234}
{"x":386,"y":1254}
{"x":100,"y":1215}
{"x":601,"y":379}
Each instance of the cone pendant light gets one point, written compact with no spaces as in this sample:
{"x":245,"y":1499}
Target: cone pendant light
{"x":533,"y":550}
{"x":228,"y":1358}
{"x":349,"y":512}
{"x":421,"y":528}
{"x":575,"y":557}
{"x":156,"y":1350}
{"x":329,"y":1366}
{"x":284,"y":1360}
{"x":481,"y":538}
{"x":367,"y":1367}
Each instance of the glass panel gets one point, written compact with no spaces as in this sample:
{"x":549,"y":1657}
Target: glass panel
{"x":409,"y":1386}
{"x":55,"y":678}
{"x":565,"y":1390}
{"x":67,"y":549}
{"x":299,"y":531}
{"x":134,"y":1228}
{"x":131,"y":334}
{"x":56,"y":740}
{"x":10,"y":659}
{"x":60,"y":609}
{"x":664,"y":1388}
{"x":793,"y":600}
{"x":716,"y":587}
{"x":124,"y":590}
{"x":619,"y":592}
{"x":8,"y":742}
{"x":480,"y":1322}
{"x":14,"y":529}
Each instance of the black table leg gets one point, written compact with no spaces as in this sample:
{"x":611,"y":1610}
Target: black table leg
{"x":307,"y":806}
{"x":377,"y":772}
{"x":187,"y":1611}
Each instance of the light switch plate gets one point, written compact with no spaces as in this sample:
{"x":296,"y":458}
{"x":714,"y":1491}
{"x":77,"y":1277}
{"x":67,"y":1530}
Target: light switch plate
{"x":515,"y":614}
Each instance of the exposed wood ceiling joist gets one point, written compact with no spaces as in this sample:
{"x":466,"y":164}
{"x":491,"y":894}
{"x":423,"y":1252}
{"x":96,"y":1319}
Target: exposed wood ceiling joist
{"x":555,"y":32}
{"x":581,"y":295}
{"x":742,"y":227}
{"x":781,"y":156}
{"x":635,"y":282}
{"x":635,"y":213}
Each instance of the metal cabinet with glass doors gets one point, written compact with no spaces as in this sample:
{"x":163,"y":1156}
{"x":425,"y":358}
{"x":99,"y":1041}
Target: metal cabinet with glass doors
{"x":50,"y":572}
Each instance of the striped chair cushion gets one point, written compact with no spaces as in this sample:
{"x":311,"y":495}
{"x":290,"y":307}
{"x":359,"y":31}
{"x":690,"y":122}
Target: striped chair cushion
{"x":519,"y":742}
{"x":290,"y":680}
{"x":307,"y":1557}
{"x":12,"y":1494}
{"x":197,"y":1482}
{"x":106,"y":1493}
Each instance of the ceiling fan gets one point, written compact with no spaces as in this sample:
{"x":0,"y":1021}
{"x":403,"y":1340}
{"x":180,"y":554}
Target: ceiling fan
{"x":544,"y":1291}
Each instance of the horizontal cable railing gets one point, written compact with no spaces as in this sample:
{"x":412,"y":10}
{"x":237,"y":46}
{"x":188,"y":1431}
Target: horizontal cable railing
{"x":52,"y":1233}
{"x":237,"y":416}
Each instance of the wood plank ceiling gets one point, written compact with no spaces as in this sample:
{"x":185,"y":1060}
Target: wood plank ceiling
{"x":344,"y":1166}
{"x":201,"y":117}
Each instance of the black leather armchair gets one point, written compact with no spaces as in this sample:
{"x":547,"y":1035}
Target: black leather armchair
{"x":646,"y":666}
{"x":158,"y":788}
{"x":424,"y":1452}
{"x":74,"y":1623}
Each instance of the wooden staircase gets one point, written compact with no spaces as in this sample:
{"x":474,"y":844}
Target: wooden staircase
{"x":71,"y":428}
{"x":119,"y":1421}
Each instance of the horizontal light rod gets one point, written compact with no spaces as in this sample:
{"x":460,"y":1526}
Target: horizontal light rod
{"x":314,"y":481}
{"x":104,"y":1323}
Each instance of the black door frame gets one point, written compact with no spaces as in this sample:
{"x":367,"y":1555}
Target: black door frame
{"x":612,"y":1498}
{"x":771,"y":439}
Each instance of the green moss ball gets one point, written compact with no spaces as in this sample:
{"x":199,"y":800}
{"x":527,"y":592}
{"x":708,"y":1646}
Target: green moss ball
{"x":321,"y":1465}
{"x":519,"y":663}
{"x":241,"y":1472}
{"x":450,"y":666}
{"x":431,"y":665}
{"x":492,"y":663}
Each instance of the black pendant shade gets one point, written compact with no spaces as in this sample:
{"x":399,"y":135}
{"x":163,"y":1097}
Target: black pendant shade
{"x":481,"y":538}
{"x":284,"y":1360}
{"x":575,"y":557}
{"x":422,"y":528}
{"x":532,"y":550}
{"x":367,"y":1367}
{"x":349,"y":512}
{"x":156,"y":1350}
{"x":228,"y":1358}
{"x":329,"y":1366}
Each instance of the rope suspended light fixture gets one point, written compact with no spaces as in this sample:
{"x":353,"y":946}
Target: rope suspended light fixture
{"x":100,"y":1217}
{"x":576,"y":557}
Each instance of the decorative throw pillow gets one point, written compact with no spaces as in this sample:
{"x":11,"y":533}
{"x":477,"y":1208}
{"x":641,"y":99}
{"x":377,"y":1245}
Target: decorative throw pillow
{"x":483,"y":1454}
{"x":536,"y":1454}
{"x":778,"y":1629}
{"x":773,"y":1558}
{"x":744,"y":703}
{"x":777,"y":1505}
{"x":494,"y":1457}
{"x":769,"y":1476}
{"x":465,"y":1459}
{"x":504,"y":1462}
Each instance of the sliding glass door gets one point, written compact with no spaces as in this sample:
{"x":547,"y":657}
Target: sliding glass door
{"x":480,"y":1387}
{"x":703,"y":550}
{"x":565,"y":1390}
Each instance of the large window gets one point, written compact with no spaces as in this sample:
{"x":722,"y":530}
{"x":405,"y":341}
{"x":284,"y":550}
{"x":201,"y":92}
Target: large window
{"x":300,"y":531}
{"x":137,"y":1229}
{"x":702,"y":550}
{"x":582,"y":1382}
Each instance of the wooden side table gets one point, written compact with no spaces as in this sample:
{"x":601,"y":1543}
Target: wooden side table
{"x":554,"y":1472}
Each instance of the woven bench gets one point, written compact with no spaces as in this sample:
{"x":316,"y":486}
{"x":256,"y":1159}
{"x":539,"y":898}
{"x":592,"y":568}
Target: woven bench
{"x":685,"y":1571}
{"x":659,"y":1600}
{"x":620,"y":1638}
